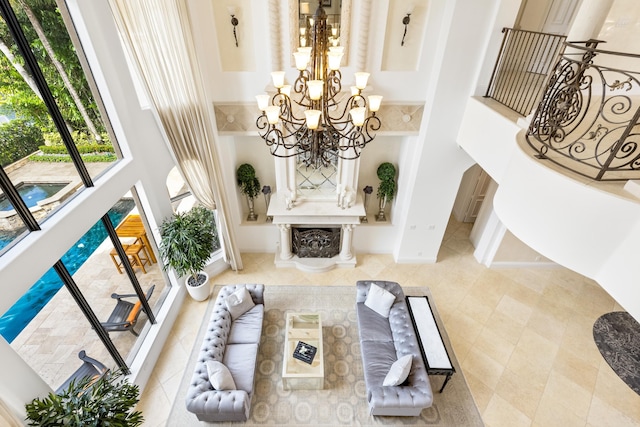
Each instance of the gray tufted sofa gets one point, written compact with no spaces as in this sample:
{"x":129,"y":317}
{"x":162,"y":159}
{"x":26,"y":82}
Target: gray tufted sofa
{"x":235,"y":344}
{"x":382,"y":342}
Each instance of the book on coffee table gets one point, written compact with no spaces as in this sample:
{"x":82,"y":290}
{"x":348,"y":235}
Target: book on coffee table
{"x":305,"y":352}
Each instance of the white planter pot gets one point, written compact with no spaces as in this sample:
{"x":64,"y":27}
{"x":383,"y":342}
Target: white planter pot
{"x":200,"y":292}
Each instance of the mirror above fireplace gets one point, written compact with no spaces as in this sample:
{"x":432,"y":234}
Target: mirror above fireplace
{"x":339,"y":17}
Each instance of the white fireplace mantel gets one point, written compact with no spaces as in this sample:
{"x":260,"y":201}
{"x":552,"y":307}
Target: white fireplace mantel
{"x":315,"y":212}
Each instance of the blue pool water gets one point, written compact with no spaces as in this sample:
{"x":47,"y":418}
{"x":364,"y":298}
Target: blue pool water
{"x":29,"y":305}
{"x":32,"y":194}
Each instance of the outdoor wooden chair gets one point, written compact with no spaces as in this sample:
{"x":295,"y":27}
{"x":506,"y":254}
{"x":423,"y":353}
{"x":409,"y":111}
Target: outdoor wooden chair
{"x":137,"y":254}
{"x":89,"y":368}
{"x":125,"y":314}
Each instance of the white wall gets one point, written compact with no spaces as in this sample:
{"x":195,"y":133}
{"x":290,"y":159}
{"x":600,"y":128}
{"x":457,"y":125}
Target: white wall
{"x":456,"y":58}
{"x":574,"y":222}
{"x":512,"y":252}
{"x":491,"y":150}
{"x":621,"y":31}
{"x":533,"y":14}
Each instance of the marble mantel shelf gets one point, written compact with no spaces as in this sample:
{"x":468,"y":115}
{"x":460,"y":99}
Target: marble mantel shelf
{"x":315,"y":212}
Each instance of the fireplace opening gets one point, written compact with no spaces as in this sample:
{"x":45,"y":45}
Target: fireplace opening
{"x":315,"y":242}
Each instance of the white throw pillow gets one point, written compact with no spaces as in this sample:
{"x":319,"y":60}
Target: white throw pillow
{"x":379,"y":300}
{"x":219,"y":376}
{"x":399,"y":371}
{"x":239,"y":302}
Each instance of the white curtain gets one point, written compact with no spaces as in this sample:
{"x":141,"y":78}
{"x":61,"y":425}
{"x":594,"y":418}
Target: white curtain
{"x":158,"y":38}
{"x":7,"y":417}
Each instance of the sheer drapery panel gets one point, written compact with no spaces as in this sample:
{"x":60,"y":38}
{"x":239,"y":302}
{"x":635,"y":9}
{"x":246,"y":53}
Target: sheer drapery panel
{"x":157,"y":36}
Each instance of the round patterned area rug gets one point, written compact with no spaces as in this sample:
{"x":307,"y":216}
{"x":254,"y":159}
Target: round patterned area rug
{"x":617,"y":336}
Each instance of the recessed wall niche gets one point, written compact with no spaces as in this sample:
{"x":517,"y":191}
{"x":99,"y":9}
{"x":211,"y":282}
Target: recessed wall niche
{"x":404,"y":57}
{"x":232,"y":57}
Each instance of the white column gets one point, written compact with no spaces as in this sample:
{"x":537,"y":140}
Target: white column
{"x":348,"y":174}
{"x":347,"y":237}
{"x":285,"y":241}
{"x":589,"y":20}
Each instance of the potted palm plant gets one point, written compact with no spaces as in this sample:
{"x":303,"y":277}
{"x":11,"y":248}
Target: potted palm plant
{"x":187,"y":241}
{"x":249,"y":186}
{"x":387,"y":188}
{"x":108,"y":401}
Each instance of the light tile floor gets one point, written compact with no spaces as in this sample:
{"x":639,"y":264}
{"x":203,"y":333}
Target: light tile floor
{"x":522,"y":336}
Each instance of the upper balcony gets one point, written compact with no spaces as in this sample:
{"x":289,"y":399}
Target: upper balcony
{"x":586,"y":100}
{"x":561,"y":177}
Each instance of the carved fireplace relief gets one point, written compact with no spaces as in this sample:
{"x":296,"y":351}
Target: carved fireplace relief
{"x":315,"y":242}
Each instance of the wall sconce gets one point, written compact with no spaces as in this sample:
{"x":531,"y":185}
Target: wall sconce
{"x":234,"y":21}
{"x":405,"y":21}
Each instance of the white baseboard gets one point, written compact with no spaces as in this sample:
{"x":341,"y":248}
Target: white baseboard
{"x":513,"y":264}
{"x":416,"y":261}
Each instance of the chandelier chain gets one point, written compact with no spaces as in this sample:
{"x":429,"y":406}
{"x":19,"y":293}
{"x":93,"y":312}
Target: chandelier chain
{"x":331,"y":124}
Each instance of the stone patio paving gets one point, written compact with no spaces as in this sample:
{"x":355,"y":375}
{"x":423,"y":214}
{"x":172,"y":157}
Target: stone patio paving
{"x":52,"y":340}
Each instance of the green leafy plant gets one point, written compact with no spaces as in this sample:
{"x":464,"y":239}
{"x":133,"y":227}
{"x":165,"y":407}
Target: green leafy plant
{"x":387,"y":187}
{"x":187,"y":240}
{"x":109,"y":401}
{"x":247,"y":180}
{"x":19,"y":139}
{"x":54,"y":139}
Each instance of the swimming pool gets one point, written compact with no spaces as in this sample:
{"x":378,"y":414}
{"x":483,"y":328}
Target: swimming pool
{"x":32,"y":193}
{"x":29,"y":305}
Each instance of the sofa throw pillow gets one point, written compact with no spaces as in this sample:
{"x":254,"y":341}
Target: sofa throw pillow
{"x":239,"y":302}
{"x":399,"y":371}
{"x":379,"y":300}
{"x":219,"y":376}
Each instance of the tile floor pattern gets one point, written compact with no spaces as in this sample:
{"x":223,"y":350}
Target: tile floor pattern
{"x":523,"y":336}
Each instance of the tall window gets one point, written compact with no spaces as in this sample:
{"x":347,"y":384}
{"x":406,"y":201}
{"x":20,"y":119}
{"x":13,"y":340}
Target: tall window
{"x":48,"y":329}
{"x":51,"y":128}
{"x":56,"y":145}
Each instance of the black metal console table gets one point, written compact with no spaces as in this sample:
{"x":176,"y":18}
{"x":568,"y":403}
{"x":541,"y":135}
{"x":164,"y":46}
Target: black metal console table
{"x":434,"y":352}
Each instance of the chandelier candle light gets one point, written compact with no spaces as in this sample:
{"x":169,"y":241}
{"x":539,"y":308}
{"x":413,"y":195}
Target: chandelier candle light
{"x":319,"y":124}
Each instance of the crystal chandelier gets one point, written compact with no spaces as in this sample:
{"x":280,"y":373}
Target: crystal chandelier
{"x":319,"y":125}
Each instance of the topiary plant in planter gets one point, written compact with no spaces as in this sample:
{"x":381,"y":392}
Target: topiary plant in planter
{"x":387,"y":187}
{"x":249,"y":186}
{"x":109,"y":401}
{"x":187,"y":241}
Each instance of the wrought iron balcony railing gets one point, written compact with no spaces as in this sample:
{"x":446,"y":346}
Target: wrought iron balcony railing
{"x":588,"y":118}
{"x":525,"y":60}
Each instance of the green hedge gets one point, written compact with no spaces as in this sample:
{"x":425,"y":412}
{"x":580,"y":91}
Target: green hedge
{"x":82,"y":149}
{"x":87,"y":158}
{"x":79,"y":138}
{"x":94,"y":158}
{"x":18,"y":139}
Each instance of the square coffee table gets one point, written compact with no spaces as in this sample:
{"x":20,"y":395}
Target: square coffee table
{"x":296,"y":374}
